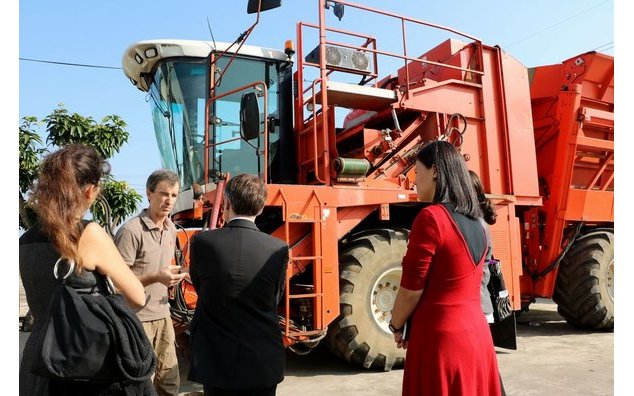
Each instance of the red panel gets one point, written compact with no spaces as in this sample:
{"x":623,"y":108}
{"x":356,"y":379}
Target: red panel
{"x":446,"y":52}
{"x":590,"y":206}
{"x":330,"y":271}
{"x":448,"y":97}
{"x":495,"y":174}
{"x":507,"y":248}
{"x":545,"y":81}
{"x":573,"y":107}
{"x":520,"y":127}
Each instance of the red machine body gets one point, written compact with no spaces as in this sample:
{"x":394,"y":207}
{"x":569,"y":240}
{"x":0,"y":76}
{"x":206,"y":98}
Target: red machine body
{"x":343,"y":197}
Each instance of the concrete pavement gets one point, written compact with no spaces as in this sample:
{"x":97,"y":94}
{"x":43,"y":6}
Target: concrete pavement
{"x":552,"y":358}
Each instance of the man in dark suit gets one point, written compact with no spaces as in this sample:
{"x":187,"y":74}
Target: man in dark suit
{"x":239,"y":274}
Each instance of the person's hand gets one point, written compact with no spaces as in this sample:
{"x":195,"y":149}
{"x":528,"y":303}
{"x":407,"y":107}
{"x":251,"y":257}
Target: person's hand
{"x":400,"y":342}
{"x":188,"y":278}
{"x":170,"y":275}
{"x":185,"y":270}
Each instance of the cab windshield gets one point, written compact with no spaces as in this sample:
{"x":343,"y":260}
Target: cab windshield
{"x":229,"y":152}
{"x":178,"y":96}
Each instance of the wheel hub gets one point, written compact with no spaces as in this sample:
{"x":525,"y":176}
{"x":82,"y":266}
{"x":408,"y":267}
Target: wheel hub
{"x":610,"y":279}
{"x":383,"y":297}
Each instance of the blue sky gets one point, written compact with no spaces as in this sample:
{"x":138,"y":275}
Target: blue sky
{"x":536,"y":32}
{"x":97,"y":33}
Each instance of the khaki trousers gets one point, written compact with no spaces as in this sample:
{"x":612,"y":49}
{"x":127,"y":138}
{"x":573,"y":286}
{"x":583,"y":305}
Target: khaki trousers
{"x":161,"y":335}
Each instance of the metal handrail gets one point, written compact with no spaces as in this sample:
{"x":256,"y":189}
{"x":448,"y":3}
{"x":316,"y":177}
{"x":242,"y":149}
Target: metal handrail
{"x":405,"y":18}
{"x":369,"y":39}
{"x":266,"y":131}
{"x":316,"y":157}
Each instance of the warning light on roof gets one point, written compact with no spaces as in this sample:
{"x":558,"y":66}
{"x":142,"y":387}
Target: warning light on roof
{"x":289,"y":48}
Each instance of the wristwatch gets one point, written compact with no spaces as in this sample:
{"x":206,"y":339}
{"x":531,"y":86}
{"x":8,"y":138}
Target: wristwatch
{"x":394,"y":329}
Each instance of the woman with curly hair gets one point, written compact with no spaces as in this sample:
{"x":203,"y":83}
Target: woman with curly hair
{"x":67,"y":185}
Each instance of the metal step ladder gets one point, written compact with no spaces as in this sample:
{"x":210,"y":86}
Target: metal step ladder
{"x":294,"y":219}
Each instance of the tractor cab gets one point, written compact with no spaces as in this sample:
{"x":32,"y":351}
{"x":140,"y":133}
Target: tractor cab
{"x":203,"y":95}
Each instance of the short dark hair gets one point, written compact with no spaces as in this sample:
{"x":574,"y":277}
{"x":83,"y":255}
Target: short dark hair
{"x":246,"y":194}
{"x":488,"y":211}
{"x":453,"y":183}
{"x":161,"y":175}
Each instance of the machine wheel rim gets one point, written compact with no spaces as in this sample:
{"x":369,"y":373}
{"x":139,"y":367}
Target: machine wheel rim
{"x":383,"y":296}
{"x":610,"y":278}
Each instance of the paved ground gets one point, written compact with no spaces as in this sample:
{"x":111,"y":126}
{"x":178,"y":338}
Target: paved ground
{"x":24,"y":308}
{"x":552,"y":358}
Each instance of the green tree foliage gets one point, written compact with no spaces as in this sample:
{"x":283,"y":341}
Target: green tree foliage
{"x":120,"y":202}
{"x":31,"y":150}
{"x":106,"y":137}
{"x":117,"y":199}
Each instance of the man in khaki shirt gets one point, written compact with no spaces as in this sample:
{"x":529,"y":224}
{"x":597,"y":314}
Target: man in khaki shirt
{"x":147,"y":244}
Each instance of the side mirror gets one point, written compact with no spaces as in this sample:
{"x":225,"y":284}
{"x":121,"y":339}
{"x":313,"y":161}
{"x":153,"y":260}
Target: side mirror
{"x":252,"y":7}
{"x":337,"y":10}
{"x":249,"y":116}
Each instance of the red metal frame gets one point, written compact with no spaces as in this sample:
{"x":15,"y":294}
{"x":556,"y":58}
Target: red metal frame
{"x":462,"y":85}
{"x":573,"y":105}
{"x":322,"y":119}
{"x":491,"y":90}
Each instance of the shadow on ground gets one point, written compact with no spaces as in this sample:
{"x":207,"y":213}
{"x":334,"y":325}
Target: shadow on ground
{"x":318,"y":362}
{"x":540,"y":322}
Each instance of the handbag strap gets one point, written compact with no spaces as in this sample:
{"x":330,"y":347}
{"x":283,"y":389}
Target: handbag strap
{"x":98,"y":276}
{"x":106,"y":280}
{"x":71,"y":268}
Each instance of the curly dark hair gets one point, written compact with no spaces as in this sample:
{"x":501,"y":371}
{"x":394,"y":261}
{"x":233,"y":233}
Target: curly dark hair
{"x":488,"y":211}
{"x":58,"y":197}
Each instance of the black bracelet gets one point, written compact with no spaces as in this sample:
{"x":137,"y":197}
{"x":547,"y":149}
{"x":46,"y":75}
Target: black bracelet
{"x":394,"y":329}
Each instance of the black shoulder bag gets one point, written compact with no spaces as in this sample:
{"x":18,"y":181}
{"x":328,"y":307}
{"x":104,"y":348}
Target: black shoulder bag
{"x":92,"y":337}
{"x":499,"y":295}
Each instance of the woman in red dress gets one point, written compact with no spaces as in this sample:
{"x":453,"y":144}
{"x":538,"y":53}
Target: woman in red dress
{"x":449,"y":346}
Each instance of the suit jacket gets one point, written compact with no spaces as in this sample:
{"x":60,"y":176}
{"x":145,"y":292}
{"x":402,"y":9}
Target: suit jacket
{"x":239,"y":275}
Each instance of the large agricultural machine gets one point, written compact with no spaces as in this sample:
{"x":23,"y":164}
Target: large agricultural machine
{"x":341,"y":192}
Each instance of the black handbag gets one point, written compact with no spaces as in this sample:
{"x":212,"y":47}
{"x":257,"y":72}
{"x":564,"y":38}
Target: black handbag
{"x":92,"y":337}
{"x":497,"y":289}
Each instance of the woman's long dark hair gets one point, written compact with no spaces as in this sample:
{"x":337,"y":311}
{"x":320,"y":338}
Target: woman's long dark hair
{"x":488,"y":211}
{"x":453,"y":183}
{"x":58,"y":197}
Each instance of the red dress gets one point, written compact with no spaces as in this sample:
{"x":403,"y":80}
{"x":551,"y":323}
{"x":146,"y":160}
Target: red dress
{"x":450,"y":350}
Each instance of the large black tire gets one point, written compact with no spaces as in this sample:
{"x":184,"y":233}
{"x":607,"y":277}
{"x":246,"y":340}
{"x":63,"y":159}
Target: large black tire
{"x":585,"y":284}
{"x":370,"y":268}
